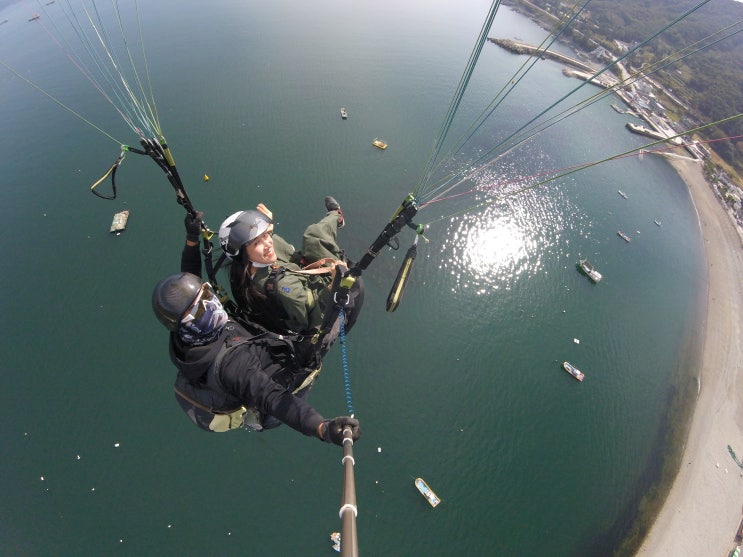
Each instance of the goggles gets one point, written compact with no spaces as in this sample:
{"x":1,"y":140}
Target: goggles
{"x":199,"y":317}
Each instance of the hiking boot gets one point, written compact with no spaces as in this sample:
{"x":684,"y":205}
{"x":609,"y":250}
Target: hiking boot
{"x":332,"y":205}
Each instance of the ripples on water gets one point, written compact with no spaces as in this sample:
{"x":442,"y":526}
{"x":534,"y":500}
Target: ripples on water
{"x":520,"y":231}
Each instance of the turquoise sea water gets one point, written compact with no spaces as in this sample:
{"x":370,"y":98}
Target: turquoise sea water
{"x":462,"y":385}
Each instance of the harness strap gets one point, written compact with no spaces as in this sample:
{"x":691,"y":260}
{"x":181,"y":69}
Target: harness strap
{"x":321,"y":266}
{"x":197,"y":404}
{"x":110,"y":172}
{"x":308,"y":380}
{"x":227,"y":346}
{"x":325,"y":266}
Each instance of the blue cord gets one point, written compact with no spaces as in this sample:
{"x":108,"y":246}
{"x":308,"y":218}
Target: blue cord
{"x":346,"y":378}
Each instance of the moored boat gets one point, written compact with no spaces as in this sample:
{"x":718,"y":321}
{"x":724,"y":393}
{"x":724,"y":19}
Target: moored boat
{"x":344,"y":113}
{"x":120,"y":220}
{"x":623,"y":236}
{"x":379,"y":143}
{"x":427,"y":492}
{"x":335,"y":537}
{"x":572,"y":370}
{"x":588,"y":269}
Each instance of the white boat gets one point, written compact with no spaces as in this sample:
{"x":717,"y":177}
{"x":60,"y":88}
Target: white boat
{"x":657,"y":222}
{"x":427,"y":492}
{"x":335,"y":537}
{"x":572,"y":370}
{"x":120,"y":220}
{"x":588,"y":269}
{"x":344,"y":113}
{"x":620,"y":192}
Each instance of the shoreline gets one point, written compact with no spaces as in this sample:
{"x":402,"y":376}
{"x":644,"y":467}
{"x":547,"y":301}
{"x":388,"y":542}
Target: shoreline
{"x":702,"y":510}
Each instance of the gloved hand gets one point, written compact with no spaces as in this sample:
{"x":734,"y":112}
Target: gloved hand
{"x":266,"y":211}
{"x":193,"y":226}
{"x":331,"y":431}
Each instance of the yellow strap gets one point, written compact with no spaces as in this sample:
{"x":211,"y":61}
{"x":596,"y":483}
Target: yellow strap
{"x":103,"y":178}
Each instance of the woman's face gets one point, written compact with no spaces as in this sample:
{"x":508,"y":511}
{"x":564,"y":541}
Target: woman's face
{"x":260,"y":250}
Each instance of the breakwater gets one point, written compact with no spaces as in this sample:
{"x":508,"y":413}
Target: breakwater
{"x":583,"y":70}
{"x":522,"y":48}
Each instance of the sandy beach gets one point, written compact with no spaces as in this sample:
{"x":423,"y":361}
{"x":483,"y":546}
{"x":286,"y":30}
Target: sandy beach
{"x":705,"y":505}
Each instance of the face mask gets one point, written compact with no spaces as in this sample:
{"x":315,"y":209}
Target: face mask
{"x":204,"y":319}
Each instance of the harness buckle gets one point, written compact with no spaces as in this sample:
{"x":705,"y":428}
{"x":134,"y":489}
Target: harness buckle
{"x":345,"y":301}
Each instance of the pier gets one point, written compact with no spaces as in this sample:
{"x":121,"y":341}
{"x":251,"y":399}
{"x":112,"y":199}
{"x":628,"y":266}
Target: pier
{"x":585,"y":71}
{"x":522,"y":48}
{"x":656,"y":128}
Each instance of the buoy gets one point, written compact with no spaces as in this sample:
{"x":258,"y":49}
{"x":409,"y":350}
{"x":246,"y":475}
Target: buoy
{"x":206,"y":178}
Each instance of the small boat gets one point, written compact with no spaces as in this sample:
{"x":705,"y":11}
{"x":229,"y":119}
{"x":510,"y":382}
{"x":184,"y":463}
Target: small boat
{"x":119,"y":222}
{"x":657,"y":222}
{"x":35,"y":16}
{"x":572,"y":370}
{"x":379,"y":143}
{"x":616,"y":108}
{"x":623,"y":236}
{"x":588,"y":269}
{"x":344,"y":113}
{"x":335,"y":537}
{"x":620,"y":192}
{"x":427,"y":492}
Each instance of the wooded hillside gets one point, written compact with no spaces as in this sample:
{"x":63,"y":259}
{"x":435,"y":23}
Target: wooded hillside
{"x":710,"y":81}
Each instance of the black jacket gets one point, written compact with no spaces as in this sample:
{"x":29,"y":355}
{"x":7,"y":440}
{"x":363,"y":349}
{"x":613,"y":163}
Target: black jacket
{"x":250,"y":375}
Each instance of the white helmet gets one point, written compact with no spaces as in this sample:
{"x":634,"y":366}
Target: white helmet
{"x":240,"y":229}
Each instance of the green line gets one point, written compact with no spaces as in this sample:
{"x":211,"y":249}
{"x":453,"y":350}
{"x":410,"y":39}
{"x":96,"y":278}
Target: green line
{"x":581,"y":167}
{"x":60,"y":103}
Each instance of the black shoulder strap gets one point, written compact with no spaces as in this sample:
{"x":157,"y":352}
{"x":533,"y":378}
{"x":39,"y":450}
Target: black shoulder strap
{"x":270,"y":340}
{"x":228,"y":345}
{"x":272,"y":284}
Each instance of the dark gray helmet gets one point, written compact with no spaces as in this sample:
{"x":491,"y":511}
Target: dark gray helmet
{"x":241,"y":228}
{"x":172,"y":296}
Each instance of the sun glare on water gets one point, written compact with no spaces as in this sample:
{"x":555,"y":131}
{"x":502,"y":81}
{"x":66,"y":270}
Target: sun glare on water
{"x":494,"y":246}
{"x":489,"y":250}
